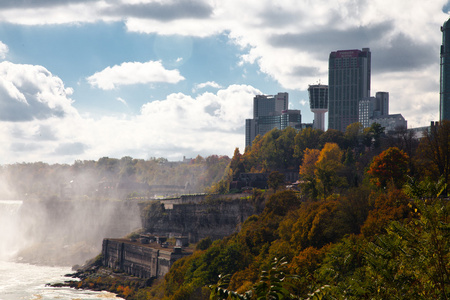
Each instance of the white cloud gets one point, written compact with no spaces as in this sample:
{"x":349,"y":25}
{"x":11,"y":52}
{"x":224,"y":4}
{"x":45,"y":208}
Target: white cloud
{"x":289,"y":40}
{"x":129,"y":73}
{"x":122,"y":101}
{"x":30,"y":92}
{"x":172,"y":127}
{"x":3,"y":50}
{"x":207,"y":84}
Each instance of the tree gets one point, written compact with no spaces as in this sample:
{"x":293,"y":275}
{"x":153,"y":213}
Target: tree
{"x":307,"y":138}
{"x":307,"y":171}
{"x":333,"y":136}
{"x":412,"y":260}
{"x":328,"y":168}
{"x":372,"y":135}
{"x":237,"y":164}
{"x":275,"y":283}
{"x":390,"y":166}
{"x":435,"y":150}
{"x":275,"y":180}
{"x":353,"y":134}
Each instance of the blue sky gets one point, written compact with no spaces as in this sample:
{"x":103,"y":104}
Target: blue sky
{"x":83,"y":79}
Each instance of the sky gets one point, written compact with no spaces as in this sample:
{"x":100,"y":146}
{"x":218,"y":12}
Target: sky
{"x":85,"y":79}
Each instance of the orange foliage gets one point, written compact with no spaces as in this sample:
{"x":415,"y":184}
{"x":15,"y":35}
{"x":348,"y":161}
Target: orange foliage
{"x":310,"y":158}
{"x":308,"y":260}
{"x":387,"y":207}
{"x":390,"y":166}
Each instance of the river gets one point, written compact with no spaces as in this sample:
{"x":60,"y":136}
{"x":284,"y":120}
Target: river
{"x":27,"y":281}
{"x":24,"y":281}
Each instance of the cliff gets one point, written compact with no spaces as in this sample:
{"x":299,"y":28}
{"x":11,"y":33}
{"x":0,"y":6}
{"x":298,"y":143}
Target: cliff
{"x":214,"y":218}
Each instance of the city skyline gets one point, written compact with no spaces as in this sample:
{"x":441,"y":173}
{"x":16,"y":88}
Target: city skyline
{"x":84,"y":79}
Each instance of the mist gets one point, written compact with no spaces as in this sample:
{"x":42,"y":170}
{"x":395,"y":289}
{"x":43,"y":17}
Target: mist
{"x":60,"y":214}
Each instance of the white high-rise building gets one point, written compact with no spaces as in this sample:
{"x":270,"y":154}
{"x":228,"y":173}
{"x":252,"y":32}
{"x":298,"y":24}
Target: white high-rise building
{"x":318,"y":102}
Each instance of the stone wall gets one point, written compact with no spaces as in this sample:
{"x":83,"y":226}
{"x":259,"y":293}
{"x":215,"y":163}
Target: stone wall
{"x":215,"y":218}
{"x":141,"y":260}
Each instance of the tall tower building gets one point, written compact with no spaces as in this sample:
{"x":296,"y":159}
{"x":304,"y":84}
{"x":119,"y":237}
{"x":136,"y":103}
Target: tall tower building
{"x":444,"y":103}
{"x":348,"y":83}
{"x":270,"y":112}
{"x":382,"y":103}
{"x":318,"y":102}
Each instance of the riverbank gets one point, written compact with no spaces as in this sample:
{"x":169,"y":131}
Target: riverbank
{"x":93,"y":276}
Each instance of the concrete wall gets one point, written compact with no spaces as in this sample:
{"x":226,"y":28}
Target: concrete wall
{"x":141,"y":260}
{"x":216,"y":219}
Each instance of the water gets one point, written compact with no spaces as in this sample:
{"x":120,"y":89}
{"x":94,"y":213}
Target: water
{"x":20,"y":281}
{"x":28,"y":282}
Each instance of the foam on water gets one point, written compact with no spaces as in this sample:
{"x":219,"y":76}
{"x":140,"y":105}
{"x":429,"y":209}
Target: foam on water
{"x":25,"y":281}
{"x":28,"y":282}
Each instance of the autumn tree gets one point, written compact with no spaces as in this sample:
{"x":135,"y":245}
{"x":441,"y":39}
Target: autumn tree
{"x":307,"y":171}
{"x":306,"y":138}
{"x":237,"y":163}
{"x":275,"y":180}
{"x":390,"y":166}
{"x":328,"y":168}
{"x":434,"y":151}
{"x":354,"y":135}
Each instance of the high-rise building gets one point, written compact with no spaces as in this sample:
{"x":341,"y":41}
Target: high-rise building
{"x":373,"y":107}
{"x":366,"y":110}
{"x":270,"y":112}
{"x":382,"y":103}
{"x":265,"y":105}
{"x":348,"y":83}
{"x":318,"y":102}
{"x":444,"y":103}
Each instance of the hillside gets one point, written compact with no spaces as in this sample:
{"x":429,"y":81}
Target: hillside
{"x":370,"y":220}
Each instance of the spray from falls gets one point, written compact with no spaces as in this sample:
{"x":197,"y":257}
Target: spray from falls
{"x":12,"y":237}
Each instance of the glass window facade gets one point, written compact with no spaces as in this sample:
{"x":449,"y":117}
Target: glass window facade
{"x":348,"y":83}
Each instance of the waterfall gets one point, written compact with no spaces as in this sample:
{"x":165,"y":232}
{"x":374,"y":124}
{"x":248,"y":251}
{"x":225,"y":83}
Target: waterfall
{"x":11,"y":235}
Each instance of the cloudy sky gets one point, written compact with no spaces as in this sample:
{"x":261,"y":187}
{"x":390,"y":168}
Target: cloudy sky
{"x":84,"y":79}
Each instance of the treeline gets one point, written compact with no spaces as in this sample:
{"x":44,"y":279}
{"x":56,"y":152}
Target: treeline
{"x":42,"y":180}
{"x":371,"y":221}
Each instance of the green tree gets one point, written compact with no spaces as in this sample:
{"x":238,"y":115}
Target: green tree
{"x":275,"y":283}
{"x":372,"y":135}
{"x":354,"y":135}
{"x":275,"y":180}
{"x":306,"y":138}
{"x":434,"y":151}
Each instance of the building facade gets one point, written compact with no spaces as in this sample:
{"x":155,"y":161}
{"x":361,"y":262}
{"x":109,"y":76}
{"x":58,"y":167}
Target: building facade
{"x":348,"y":82}
{"x":270,"y":112}
{"x":318,"y":102}
{"x":391,"y":123}
{"x":373,"y":107}
{"x":444,"y":102}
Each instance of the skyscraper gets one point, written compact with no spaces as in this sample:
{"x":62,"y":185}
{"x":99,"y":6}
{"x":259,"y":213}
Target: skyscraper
{"x":318,"y":102}
{"x":270,"y":112}
{"x":348,"y":83}
{"x":373,"y":107}
{"x":444,"y":103}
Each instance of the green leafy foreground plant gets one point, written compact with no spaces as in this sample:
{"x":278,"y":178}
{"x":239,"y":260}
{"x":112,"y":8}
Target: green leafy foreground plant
{"x":273,"y":284}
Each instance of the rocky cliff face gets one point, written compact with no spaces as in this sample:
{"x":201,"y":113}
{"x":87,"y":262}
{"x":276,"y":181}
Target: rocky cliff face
{"x":215,"y":218}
